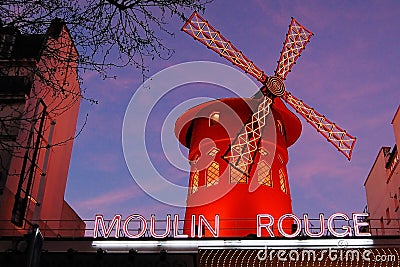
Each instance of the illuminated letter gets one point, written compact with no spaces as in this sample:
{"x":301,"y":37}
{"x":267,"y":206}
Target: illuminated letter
{"x":332,"y":254}
{"x":331,"y":227}
{"x":142,"y":229}
{"x":309,"y":253}
{"x":281,"y":255}
{"x":280,"y":228}
{"x":321,"y":227}
{"x":203,"y":220}
{"x":262,"y":254}
{"x":321,"y":257}
{"x":352,"y":254}
{"x":176,"y":228}
{"x":193,"y":226}
{"x":271,"y":255}
{"x":153,"y":227}
{"x":116,"y":221}
{"x":357,"y":224}
{"x":365,"y":255}
{"x":294,"y":255}
{"x":265,"y":225}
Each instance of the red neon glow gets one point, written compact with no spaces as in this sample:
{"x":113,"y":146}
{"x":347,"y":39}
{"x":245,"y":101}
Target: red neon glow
{"x":265,"y":221}
{"x":203,"y":221}
{"x":143,"y":227}
{"x":281,"y":228}
{"x":176,"y":227}
{"x":99,"y":221}
{"x":153,"y":227}
{"x":331,"y":226}
{"x":321,"y":225}
{"x":358,"y":224}
{"x":193,"y":226}
{"x":267,"y":226}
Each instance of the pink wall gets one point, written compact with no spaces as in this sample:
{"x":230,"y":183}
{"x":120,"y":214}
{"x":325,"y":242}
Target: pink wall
{"x":62,"y":109}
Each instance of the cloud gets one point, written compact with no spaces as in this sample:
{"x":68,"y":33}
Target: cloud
{"x":111,"y":198}
{"x":126,"y":201}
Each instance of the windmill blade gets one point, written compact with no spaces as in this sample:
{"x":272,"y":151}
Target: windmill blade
{"x":296,"y":39}
{"x":241,"y":153}
{"x":338,"y":137}
{"x":202,"y":31}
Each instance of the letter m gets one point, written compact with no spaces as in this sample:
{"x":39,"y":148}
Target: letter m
{"x":308,"y":253}
{"x":352,"y":254}
{"x":99,"y":223}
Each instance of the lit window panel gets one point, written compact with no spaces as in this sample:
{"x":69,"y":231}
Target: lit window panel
{"x":282,"y":181}
{"x":213,"y":151}
{"x":195,"y":181}
{"x":238,"y":176}
{"x":281,"y":128}
{"x":264,"y":174}
{"x":214,"y":119}
{"x":263,"y":152}
{"x":213,"y":174}
{"x":194,"y":160}
{"x":280,"y":159}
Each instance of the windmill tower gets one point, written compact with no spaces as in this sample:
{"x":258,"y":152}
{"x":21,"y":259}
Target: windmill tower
{"x":238,"y":176}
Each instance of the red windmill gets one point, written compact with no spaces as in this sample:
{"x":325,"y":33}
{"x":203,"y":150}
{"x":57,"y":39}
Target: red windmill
{"x":257,"y":155}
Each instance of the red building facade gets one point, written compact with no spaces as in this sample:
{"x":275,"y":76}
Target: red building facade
{"x":217,"y":188}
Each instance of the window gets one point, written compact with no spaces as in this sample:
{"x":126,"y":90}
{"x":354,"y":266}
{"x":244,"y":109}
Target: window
{"x":263,"y":151}
{"x":281,"y":128}
{"x":213,"y":151}
{"x":280,"y":159}
{"x":282,"y":180}
{"x":7,"y":41}
{"x":2,"y":183}
{"x":195,"y":181}
{"x":388,"y":215}
{"x":194,"y":160}
{"x":264,"y":174}
{"x":237,"y":175}
{"x":396,"y":202}
{"x":213,"y":174}
{"x":214,"y":119}
{"x":382,"y":226}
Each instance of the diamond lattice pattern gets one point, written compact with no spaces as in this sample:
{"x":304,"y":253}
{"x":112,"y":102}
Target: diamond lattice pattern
{"x":202,"y":31}
{"x":213,"y":174}
{"x":296,"y":40}
{"x":338,"y":137}
{"x":264,"y":174}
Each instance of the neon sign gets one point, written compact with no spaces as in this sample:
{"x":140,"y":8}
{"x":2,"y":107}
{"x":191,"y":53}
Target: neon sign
{"x":265,"y":222}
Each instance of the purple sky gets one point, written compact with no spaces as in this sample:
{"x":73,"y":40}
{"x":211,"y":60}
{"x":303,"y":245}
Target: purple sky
{"x":348,"y":72}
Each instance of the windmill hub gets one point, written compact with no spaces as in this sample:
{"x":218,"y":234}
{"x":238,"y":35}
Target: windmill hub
{"x":275,"y":85}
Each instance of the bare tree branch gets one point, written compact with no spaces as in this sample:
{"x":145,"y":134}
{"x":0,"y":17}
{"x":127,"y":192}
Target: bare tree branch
{"x":40,"y":69}
{"x":107,"y":33}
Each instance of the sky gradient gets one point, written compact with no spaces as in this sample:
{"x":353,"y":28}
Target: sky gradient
{"x":348,"y":72}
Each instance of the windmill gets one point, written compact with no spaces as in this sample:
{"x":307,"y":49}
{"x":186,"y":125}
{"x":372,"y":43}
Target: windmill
{"x":241,"y":154}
